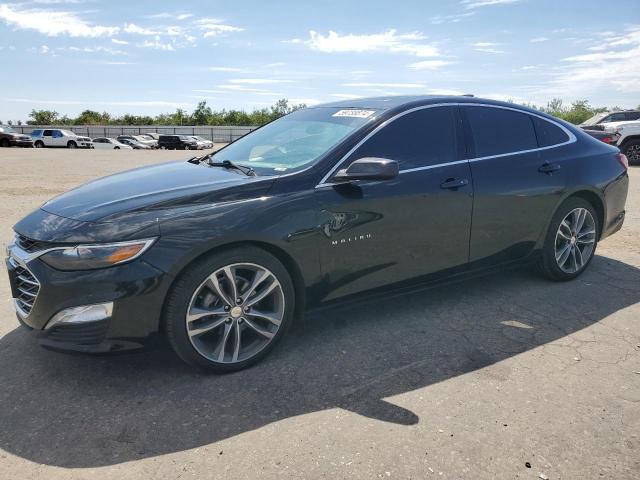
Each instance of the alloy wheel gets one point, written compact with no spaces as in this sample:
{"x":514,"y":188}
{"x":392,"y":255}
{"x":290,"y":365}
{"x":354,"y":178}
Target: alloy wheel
{"x":633,"y":153}
{"x":235,"y":313}
{"x":575,"y":240}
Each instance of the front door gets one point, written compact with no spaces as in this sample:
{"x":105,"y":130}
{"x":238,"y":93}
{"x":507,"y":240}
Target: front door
{"x":376,"y":233}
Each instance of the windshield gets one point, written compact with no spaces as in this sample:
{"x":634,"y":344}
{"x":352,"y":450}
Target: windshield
{"x":68,"y":133}
{"x":7,"y":130}
{"x":595,"y":119}
{"x":295,"y":141}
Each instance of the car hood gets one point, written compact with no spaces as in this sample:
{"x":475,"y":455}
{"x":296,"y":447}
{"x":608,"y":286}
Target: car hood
{"x":153,"y":189}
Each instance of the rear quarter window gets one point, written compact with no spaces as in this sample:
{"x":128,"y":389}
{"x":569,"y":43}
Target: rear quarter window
{"x":548,"y":134}
{"x":498,"y":131}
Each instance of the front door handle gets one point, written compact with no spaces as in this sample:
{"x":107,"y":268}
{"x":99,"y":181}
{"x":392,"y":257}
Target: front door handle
{"x":454,"y":183}
{"x":549,"y":168}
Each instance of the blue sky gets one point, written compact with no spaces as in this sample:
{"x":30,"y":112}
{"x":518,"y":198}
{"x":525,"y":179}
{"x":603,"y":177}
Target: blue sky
{"x":149,"y":57}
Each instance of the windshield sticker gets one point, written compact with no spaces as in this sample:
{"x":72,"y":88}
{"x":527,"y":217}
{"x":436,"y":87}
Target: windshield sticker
{"x":354,"y":113}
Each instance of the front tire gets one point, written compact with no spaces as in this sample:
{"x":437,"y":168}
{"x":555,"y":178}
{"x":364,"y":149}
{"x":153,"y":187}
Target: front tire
{"x":571,"y":240}
{"x":229,"y":310}
{"x":72,"y":145}
{"x":632,"y":151}
{"x":4,"y":143}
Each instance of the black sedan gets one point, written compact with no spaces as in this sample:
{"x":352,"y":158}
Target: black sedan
{"x":222,"y":252}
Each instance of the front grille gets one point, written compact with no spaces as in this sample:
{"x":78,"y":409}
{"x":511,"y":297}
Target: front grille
{"x":27,"y":287}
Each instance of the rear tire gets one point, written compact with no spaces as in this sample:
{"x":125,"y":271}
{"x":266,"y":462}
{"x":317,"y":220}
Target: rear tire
{"x":4,"y":143}
{"x":632,"y":151}
{"x":574,"y":226}
{"x":38,"y":144}
{"x":209,"y":341}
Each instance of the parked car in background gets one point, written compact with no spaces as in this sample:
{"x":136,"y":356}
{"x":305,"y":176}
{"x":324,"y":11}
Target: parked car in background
{"x":104,"y":143}
{"x":10,"y":138}
{"x":177,"y":142}
{"x":136,"y":145}
{"x":153,"y":135}
{"x":599,"y":120}
{"x":627,"y":135}
{"x":606,"y":137}
{"x":59,"y":138}
{"x":222,"y":252}
{"x":202,"y":143}
{"x":145,"y":137}
{"x":148,"y":141}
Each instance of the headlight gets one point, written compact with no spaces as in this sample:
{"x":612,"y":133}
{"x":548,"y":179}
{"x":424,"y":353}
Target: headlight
{"x":88,"y":257}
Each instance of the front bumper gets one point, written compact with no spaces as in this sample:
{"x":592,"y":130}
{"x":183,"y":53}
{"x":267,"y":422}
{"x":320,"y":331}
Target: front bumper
{"x":136,"y":290}
{"x":21,"y":142}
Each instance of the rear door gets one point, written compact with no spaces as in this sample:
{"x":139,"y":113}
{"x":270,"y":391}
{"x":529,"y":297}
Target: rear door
{"x":58,"y":139}
{"x":380,"y":232}
{"x":47,"y":138}
{"x":517,"y":177}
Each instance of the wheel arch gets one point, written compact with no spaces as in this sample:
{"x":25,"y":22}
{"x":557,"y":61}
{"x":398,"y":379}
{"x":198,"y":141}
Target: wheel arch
{"x":285,"y":258}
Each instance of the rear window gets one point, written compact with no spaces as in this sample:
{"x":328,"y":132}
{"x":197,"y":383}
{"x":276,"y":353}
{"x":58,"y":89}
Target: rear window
{"x":548,"y":133}
{"x":498,"y":131}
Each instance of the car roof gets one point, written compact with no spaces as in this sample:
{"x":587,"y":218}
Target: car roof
{"x":410,"y":101}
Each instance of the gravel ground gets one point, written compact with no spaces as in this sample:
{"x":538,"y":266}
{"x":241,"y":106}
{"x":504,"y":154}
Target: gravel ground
{"x":475,"y":380}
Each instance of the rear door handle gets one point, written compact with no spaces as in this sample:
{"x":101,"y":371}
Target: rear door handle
{"x":549,"y":168}
{"x":454,"y":183}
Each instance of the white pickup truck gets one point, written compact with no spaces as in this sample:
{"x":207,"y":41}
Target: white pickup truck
{"x":628,"y":138}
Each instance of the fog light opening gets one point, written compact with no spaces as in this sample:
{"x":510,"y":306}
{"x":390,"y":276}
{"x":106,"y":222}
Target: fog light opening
{"x":82,"y":314}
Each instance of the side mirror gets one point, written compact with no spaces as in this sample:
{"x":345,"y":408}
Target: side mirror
{"x":369,"y":168}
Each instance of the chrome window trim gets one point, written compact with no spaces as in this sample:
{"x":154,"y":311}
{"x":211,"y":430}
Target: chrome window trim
{"x":572,"y":139}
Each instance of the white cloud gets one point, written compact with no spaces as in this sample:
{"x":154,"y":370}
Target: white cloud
{"x":429,"y":64}
{"x":44,"y":49}
{"x":470,"y":4}
{"x":383,"y":85}
{"x":212,"y":27}
{"x":115,"y":41}
{"x":225,"y":69}
{"x":438,"y":19}
{"x":487,"y":47}
{"x":306,"y":101}
{"x":53,"y":23}
{"x":138,"y":30}
{"x":157,"y":44}
{"x":539,"y":40}
{"x":258,"y":81}
{"x":389,"y":41}
{"x":615,"y":69}
{"x":151,"y":103}
{"x":345,"y":96}
{"x":184,"y":16}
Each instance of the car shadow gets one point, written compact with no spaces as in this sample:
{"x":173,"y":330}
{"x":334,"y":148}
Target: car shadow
{"x":79,"y":411}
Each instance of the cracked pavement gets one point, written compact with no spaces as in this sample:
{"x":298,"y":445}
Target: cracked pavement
{"x":469,"y":380}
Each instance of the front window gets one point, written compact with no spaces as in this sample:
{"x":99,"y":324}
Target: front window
{"x":295,"y":141}
{"x":7,"y":130}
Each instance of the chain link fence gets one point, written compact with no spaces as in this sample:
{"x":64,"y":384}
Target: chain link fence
{"x":217,"y":134}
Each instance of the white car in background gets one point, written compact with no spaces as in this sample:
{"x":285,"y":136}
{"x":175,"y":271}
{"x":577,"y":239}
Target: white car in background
{"x":202,"y":142}
{"x":627,"y":135}
{"x":104,"y":143}
{"x":56,"y":137}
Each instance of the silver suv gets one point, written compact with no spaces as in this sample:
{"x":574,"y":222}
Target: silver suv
{"x":59,"y":138}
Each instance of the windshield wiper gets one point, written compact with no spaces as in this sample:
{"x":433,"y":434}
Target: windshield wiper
{"x":248,"y":171}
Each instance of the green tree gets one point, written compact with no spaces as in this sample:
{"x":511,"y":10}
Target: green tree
{"x":43,"y":117}
{"x":201,"y":114}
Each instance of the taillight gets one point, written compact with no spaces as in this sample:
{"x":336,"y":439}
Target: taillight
{"x":606,"y":139}
{"x":623,"y":160}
